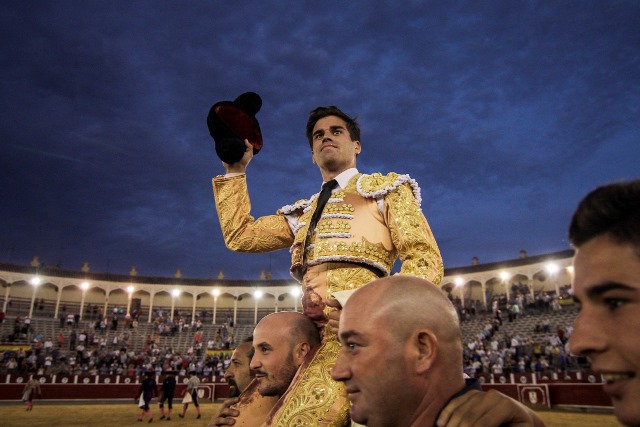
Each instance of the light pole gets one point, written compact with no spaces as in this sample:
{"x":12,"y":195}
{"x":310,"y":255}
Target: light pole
{"x":84,"y":286}
{"x":35,"y":282}
{"x":130,"y":290}
{"x":257,"y":294}
{"x":216,"y":294}
{"x":505,"y":278}
{"x":174,"y":294}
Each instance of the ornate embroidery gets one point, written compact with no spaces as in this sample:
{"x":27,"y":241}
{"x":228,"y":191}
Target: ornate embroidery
{"x":342,"y":279}
{"x":315,"y":399}
{"x":337,"y":208}
{"x":363,"y":252}
{"x":240,"y":230}
{"x":412,"y":237}
{"x":377,"y":185}
{"x":335,"y":225}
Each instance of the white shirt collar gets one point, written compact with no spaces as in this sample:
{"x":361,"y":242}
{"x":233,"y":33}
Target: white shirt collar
{"x":344,"y":177}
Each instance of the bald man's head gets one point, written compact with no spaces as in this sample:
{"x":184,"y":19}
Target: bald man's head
{"x":401,"y":350}
{"x":295,"y":326}
{"x":407,"y":302}
{"x":281,"y":342}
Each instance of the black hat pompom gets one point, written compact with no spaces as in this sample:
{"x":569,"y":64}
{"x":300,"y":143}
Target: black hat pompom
{"x":231,"y":122}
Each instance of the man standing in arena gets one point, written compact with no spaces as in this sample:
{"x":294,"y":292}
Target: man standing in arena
{"x":148,"y":389}
{"x":367,"y":223}
{"x":166,"y":394}
{"x":192,"y":391}
{"x":605,"y":230}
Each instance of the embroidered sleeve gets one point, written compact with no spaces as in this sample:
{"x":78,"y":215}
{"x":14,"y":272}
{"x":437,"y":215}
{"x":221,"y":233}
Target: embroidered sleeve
{"x":411,"y":234}
{"x":240,"y":230}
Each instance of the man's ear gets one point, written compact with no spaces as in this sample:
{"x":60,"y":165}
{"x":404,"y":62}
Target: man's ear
{"x":426,"y":345}
{"x":300,"y":352}
{"x":313,"y":160}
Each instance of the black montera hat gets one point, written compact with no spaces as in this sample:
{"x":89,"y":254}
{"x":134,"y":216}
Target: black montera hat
{"x":230,"y":123}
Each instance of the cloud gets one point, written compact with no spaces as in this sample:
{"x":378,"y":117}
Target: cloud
{"x":505,"y":113}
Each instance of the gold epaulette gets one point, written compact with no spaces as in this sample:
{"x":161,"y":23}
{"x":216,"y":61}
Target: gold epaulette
{"x":377,"y":185}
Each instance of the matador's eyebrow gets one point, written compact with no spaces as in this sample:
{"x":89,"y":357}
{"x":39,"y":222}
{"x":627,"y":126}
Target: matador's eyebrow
{"x":334,"y":128}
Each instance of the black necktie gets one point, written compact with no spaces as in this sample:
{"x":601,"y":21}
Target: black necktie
{"x":324,"y":196}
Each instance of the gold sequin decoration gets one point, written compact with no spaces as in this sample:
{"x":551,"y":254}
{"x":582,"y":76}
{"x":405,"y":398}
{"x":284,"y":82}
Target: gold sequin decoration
{"x":377,"y":181}
{"x":315,"y":399}
{"x":363,"y":250}
{"x":338,"y":208}
{"x":412,"y":236}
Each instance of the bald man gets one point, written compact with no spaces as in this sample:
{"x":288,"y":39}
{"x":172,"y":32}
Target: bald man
{"x":401,"y":361}
{"x":282,"y":342}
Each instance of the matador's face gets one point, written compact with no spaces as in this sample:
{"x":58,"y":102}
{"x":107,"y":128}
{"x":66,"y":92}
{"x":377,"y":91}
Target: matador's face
{"x":333,"y":149}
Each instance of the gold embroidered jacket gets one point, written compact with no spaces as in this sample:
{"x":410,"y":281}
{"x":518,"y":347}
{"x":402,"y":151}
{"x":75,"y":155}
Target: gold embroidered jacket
{"x":372,"y":221}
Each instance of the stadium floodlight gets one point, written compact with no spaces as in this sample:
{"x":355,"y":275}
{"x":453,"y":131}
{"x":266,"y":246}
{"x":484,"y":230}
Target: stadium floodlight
{"x":175,"y":292}
{"x":36,"y":281}
{"x":257,"y":294}
{"x":459,"y":281}
{"x":216,"y":292}
{"x":295,"y":291}
{"x":84,"y":286}
{"x":552,"y":268}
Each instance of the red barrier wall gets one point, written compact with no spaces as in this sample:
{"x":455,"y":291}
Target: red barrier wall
{"x":72,"y":387}
{"x":581,"y":390}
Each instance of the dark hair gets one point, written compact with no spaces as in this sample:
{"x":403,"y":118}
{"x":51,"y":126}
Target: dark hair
{"x":303,"y":329}
{"x":612,"y":209}
{"x":322,"y":112}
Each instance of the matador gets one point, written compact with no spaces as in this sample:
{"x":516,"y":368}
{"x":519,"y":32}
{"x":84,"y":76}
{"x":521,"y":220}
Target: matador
{"x":368,"y":222}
